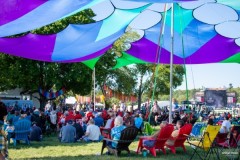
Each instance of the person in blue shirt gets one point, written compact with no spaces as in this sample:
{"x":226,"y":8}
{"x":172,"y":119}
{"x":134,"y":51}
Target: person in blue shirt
{"x":116,"y":130}
{"x":68,"y":133}
{"x":98,"y":120}
{"x":138,"y":121}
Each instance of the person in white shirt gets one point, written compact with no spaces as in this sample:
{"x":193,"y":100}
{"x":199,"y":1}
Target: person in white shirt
{"x":110,"y":120}
{"x":226,"y":126}
{"x":92,"y":133}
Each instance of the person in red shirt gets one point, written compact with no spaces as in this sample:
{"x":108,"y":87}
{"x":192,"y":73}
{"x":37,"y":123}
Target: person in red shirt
{"x":105,"y":115}
{"x":89,"y":115}
{"x":77,"y":115}
{"x":69,"y":117}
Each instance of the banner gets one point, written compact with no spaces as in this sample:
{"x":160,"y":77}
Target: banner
{"x":50,"y":94}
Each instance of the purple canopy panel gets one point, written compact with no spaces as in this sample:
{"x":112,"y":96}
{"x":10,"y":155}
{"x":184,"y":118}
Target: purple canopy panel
{"x":12,"y":9}
{"x":29,"y":46}
{"x":146,"y":51}
{"x":216,"y":50}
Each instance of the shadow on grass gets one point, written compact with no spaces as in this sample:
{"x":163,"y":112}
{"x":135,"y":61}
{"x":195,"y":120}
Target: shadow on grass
{"x":46,"y":142}
{"x":123,"y":156}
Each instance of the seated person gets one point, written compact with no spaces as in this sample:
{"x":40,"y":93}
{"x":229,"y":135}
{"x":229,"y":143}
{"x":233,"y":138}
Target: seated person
{"x":98,"y":120}
{"x":110,"y":120}
{"x":35,"y":133}
{"x":175,"y":133}
{"x":176,"y":118}
{"x":138,"y":121}
{"x":79,"y":130}
{"x":116,"y":131}
{"x":68,"y":133}
{"x":210,"y":120}
{"x":92,"y":133}
{"x":150,"y":143}
{"x":128,"y":120}
{"x":226,"y":125}
{"x":10,"y":130}
{"x":77,"y":115}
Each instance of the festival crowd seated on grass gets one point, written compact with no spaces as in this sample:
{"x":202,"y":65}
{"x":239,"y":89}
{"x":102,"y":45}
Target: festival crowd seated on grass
{"x":83,"y":124}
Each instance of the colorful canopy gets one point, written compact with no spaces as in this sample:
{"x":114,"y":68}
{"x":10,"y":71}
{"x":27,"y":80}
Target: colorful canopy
{"x":205,"y":31}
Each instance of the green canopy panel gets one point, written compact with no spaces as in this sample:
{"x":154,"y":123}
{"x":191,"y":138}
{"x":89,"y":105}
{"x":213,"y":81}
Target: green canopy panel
{"x":91,"y":63}
{"x":233,"y":59}
{"x":127,"y":59}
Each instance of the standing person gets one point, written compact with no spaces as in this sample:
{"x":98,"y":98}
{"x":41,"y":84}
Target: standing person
{"x":48,"y":106}
{"x":122,"y":106}
{"x":3,"y":137}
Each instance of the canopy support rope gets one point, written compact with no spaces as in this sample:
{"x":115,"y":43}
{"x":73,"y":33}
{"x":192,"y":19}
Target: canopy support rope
{"x":158,"y":53}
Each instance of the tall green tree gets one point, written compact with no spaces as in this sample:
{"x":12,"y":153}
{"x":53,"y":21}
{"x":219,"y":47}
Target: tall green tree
{"x":155,"y":80}
{"x":142,"y":71}
{"x":30,"y":75}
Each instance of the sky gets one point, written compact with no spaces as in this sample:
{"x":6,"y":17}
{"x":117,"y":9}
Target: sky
{"x":212,"y":76}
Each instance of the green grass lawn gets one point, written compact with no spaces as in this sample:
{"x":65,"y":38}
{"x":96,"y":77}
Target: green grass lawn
{"x":51,"y":148}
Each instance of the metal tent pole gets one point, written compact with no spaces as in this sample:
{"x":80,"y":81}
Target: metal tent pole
{"x":94,"y":89}
{"x":171,"y":64}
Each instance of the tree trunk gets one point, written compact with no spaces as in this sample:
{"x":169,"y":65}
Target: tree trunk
{"x":43,"y":102}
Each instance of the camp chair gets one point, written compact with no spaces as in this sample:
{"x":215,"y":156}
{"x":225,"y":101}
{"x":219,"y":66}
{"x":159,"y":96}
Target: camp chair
{"x":220,"y":138}
{"x":148,"y":128}
{"x":106,"y":132}
{"x":22,"y":130}
{"x":196,"y":130}
{"x":205,"y":143}
{"x":181,"y":138}
{"x":231,"y":147}
{"x":127,"y":137}
{"x":163,"y":136}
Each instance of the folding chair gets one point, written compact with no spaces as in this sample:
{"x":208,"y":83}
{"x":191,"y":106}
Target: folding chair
{"x":196,"y":130}
{"x":206,"y":143}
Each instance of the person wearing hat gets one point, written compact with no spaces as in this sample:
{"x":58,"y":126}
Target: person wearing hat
{"x":35,"y":132}
{"x":68,"y":133}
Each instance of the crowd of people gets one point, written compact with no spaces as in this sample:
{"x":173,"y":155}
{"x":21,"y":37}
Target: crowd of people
{"x":73,"y":124}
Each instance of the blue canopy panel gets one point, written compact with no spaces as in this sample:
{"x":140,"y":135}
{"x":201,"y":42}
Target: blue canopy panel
{"x":34,"y":14}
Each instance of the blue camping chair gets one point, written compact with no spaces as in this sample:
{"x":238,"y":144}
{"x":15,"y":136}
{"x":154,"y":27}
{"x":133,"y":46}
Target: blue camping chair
{"x":22,"y":130}
{"x":196,"y":131}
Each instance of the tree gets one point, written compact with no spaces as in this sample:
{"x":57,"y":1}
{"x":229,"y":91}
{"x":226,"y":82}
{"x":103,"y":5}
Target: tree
{"x":30,"y":75}
{"x":157,"y":81}
{"x":141,"y":71}
{"x":123,"y":79}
